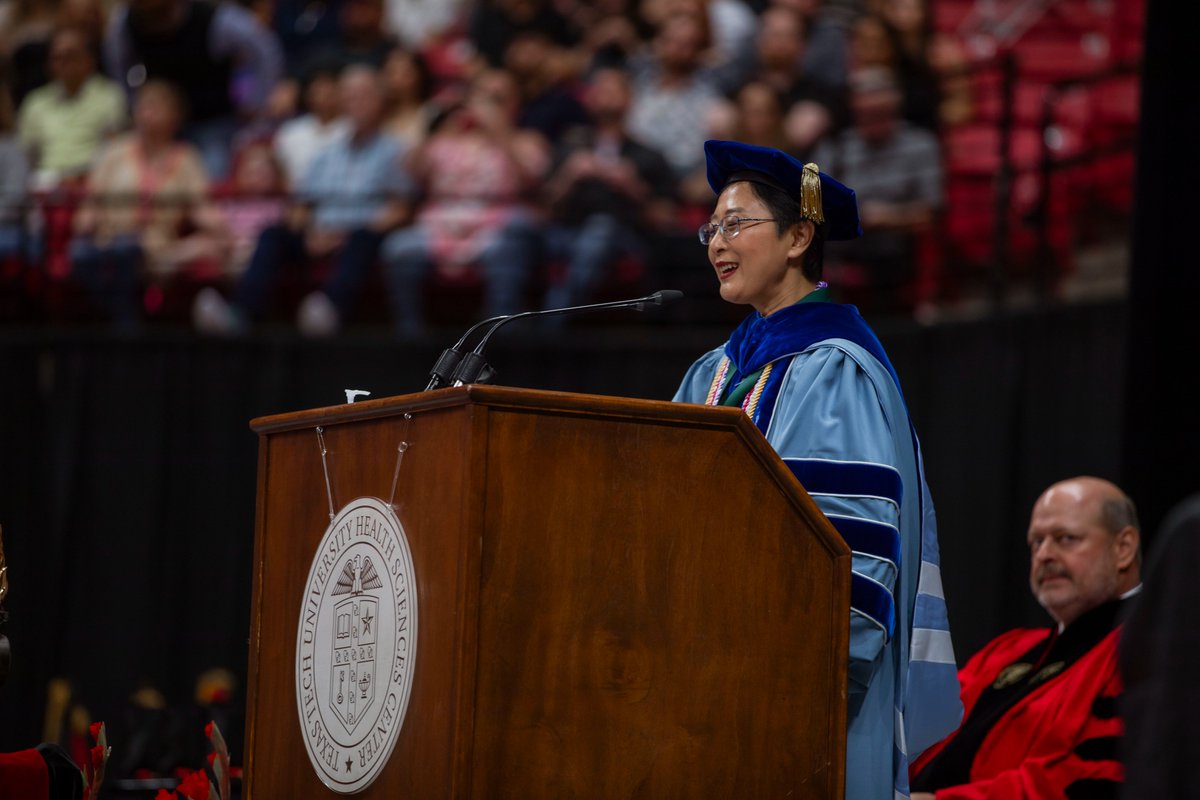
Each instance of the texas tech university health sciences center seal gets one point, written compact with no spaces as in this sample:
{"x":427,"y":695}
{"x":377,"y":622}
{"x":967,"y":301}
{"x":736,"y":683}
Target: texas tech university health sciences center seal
{"x":356,"y":645}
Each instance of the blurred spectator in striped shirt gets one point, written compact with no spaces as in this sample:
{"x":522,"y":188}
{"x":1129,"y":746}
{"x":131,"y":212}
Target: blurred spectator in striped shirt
{"x":354,"y":192}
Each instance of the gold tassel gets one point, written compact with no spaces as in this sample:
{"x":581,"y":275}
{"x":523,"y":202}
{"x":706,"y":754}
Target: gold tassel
{"x":811,"y":207}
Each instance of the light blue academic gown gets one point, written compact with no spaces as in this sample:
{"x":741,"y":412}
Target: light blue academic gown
{"x":832,"y":409}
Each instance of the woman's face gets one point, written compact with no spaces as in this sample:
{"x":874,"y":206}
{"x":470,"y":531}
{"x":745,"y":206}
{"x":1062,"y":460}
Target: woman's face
{"x":400,"y":76}
{"x":156,"y":114}
{"x":870,"y":45}
{"x":495,"y":93}
{"x":760,"y":111}
{"x":256,"y":173}
{"x":907,"y":15}
{"x":753,"y":266}
{"x":321,"y":96}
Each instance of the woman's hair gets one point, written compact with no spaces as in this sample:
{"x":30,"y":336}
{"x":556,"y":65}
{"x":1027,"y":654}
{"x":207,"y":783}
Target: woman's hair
{"x":785,"y":209}
{"x":425,"y":78}
{"x":6,"y":104}
{"x":24,"y":10}
{"x":322,"y":69}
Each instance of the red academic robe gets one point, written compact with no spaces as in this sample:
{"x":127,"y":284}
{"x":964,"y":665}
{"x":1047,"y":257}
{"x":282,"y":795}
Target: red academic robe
{"x":1063,"y":734}
{"x":23,"y":776}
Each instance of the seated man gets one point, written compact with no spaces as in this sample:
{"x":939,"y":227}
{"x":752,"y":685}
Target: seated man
{"x":1041,"y":705}
{"x":607,"y":196}
{"x":64,"y":124}
{"x":354,"y":192}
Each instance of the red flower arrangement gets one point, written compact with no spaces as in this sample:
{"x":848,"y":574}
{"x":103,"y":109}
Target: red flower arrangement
{"x":93,"y":771}
{"x":218,"y":759}
{"x":196,"y":785}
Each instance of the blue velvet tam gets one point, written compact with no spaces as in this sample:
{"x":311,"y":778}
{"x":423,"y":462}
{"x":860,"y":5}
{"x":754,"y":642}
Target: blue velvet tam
{"x":822,"y":199}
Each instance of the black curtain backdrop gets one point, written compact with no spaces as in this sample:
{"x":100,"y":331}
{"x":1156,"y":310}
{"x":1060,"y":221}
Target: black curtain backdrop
{"x":127,"y":471}
{"x":1162,"y":437}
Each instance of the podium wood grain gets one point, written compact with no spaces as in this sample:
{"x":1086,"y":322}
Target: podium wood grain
{"x":617,"y":598}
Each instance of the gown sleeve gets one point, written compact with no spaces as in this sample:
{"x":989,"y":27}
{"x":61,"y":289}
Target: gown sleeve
{"x":698,"y":379}
{"x":832,"y":429}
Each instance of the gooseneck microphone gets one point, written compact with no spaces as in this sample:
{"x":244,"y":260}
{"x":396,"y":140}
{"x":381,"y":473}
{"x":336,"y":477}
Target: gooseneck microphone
{"x":471,"y":368}
{"x":444,"y":367}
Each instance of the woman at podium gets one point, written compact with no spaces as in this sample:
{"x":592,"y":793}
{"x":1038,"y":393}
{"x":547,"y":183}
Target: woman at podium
{"x":815,"y":380}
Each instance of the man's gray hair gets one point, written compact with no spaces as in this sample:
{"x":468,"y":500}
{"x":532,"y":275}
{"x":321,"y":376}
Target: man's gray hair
{"x":1117,"y":513}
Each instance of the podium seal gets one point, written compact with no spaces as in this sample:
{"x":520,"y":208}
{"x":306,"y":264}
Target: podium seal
{"x":356,"y":645}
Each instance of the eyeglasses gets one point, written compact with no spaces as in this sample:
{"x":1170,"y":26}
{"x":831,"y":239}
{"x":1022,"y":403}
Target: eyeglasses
{"x":729,"y":227}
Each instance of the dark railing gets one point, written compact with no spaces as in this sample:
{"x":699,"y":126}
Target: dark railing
{"x":1004,"y":178}
{"x":996,"y":84}
{"x":1050,"y":164}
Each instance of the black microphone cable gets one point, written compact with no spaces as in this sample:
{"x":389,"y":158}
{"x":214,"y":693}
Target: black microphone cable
{"x":471,"y":368}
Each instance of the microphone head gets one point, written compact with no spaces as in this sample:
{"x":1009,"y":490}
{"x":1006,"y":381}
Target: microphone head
{"x":659,"y":298}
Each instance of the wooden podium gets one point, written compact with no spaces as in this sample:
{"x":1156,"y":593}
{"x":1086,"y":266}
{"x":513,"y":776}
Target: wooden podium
{"x":618,"y":598}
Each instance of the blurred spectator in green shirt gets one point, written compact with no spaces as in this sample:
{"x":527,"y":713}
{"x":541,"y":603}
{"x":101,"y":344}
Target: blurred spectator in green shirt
{"x":64,"y":123}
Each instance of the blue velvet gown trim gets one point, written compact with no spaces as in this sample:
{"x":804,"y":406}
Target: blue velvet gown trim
{"x":759,"y":340}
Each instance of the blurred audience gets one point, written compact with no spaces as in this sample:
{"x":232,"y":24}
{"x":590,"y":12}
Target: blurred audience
{"x":146,"y":212}
{"x":755,"y":116}
{"x":930,"y":67}
{"x":362,"y":38}
{"x":877,"y":43}
{"x":219,"y":55}
{"x":769,"y":72}
{"x":610,"y":31}
{"x":476,"y":171}
{"x":304,"y":27}
{"x":826,"y":59}
{"x":729,"y":27}
{"x":89,"y":16}
{"x":408,"y":91}
{"x":606,"y":195}
{"x":64,"y":124}
{"x":252,"y":200}
{"x":546,"y":82}
{"x":812,"y":109}
{"x":26,"y":27}
{"x":299,"y":139}
{"x":494,"y":24}
{"x":352,"y":194}
{"x":14,"y":173}
{"x":416,"y":22}
{"x":671,"y":100}
{"x":948,"y":60}
{"x":911,"y":26}
{"x":895,"y":169}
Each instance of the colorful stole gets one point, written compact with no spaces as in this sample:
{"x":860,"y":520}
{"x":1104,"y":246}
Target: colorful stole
{"x":721,"y":378}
